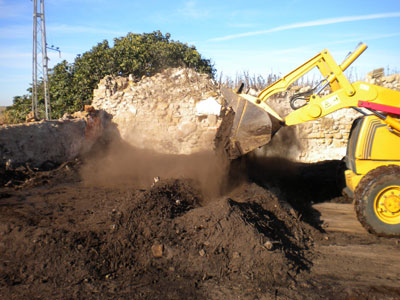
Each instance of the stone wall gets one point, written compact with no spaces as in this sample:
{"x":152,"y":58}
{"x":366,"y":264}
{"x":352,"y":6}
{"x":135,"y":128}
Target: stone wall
{"x":162,"y":113}
{"x":174,"y":112}
{"x":48,"y":143}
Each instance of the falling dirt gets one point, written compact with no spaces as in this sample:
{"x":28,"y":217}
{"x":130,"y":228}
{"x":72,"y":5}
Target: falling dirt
{"x":123,"y":165}
{"x":103,"y":228}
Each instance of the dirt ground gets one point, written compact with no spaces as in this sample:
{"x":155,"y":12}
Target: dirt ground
{"x":102,"y":227}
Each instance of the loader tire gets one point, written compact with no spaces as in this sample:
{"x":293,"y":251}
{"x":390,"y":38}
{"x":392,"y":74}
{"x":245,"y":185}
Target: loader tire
{"x":377,"y":201}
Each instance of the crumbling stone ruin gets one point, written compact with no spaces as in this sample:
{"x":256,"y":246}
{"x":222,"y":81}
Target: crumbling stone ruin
{"x":161,"y":113}
{"x":177,"y":111}
{"x":48,"y":143}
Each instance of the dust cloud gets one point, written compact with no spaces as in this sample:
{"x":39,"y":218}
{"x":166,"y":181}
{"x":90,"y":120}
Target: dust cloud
{"x":118,"y":164}
{"x":284,"y":144}
{"x":276,"y":160}
{"x":115,"y":163}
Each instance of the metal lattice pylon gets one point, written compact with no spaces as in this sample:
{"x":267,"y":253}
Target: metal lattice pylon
{"x":40,"y":60}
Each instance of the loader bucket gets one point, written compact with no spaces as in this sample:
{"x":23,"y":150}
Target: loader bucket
{"x":251,"y":126}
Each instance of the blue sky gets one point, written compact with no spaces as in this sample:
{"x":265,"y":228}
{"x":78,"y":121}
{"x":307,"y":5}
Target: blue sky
{"x":260,"y":37}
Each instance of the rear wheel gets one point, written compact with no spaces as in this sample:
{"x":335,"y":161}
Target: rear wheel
{"x":377,"y":201}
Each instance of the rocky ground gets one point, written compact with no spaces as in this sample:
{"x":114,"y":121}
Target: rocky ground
{"x":101,"y":227}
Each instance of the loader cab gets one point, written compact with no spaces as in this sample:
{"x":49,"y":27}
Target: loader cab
{"x":371,"y":144}
{"x":373,"y":175}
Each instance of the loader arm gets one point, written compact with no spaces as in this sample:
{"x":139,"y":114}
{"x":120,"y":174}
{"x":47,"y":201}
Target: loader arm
{"x":251,"y":129}
{"x":332,"y":73}
{"x":343,"y":93}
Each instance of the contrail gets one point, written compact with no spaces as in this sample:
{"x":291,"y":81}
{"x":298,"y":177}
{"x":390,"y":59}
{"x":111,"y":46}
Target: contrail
{"x":308,"y":24}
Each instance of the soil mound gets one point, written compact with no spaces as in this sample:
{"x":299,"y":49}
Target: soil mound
{"x":243,"y":237}
{"x":151,"y":244}
{"x":63,"y":239}
{"x":249,"y":238}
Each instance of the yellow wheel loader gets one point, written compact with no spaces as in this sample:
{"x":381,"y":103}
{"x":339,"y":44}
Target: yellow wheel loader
{"x":373,"y":150}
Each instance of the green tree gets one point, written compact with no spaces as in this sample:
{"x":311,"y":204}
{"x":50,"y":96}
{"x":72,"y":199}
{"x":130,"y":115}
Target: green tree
{"x":61,"y":90}
{"x":150,"y":53}
{"x":16,"y":113}
{"x":72,"y":85}
{"x":87,"y":71}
